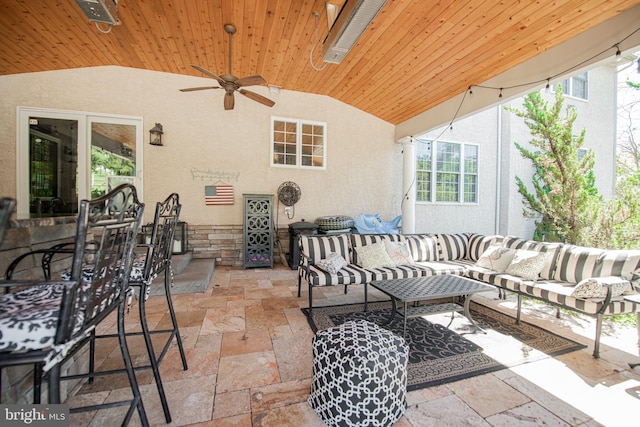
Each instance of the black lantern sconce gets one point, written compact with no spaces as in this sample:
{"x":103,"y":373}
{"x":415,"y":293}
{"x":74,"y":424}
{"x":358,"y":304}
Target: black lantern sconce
{"x":155,"y":135}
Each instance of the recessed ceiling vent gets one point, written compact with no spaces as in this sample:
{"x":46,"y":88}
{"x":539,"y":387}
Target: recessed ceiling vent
{"x":354,"y":17}
{"x":100,"y":10}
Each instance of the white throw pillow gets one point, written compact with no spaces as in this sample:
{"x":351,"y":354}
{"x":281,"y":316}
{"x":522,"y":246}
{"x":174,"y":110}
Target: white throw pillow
{"x":528,"y":264}
{"x":496,"y":258}
{"x":332,"y":263}
{"x":596,"y":287}
{"x":374,"y":256}
{"x":399,"y":252}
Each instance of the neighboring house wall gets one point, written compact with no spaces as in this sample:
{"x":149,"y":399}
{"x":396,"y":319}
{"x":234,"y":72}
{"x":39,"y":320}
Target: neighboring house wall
{"x":453,"y":217}
{"x":496,"y":130}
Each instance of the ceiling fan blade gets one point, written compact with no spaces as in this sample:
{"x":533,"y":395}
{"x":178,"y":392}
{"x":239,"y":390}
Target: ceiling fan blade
{"x":251,"y":81}
{"x":208,"y":73}
{"x":256,"y":97}
{"x":229,"y":101}
{"x":191,"y":89}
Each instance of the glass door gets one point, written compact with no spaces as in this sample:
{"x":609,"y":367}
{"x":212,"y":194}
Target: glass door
{"x":113,"y":154}
{"x":66,"y":156}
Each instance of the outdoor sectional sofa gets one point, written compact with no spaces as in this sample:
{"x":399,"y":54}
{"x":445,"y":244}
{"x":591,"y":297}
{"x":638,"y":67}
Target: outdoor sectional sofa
{"x":592,"y":281}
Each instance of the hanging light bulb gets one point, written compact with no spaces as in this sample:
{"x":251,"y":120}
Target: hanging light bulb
{"x":500,"y":95}
{"x":547,"y":88}
{"x":618,"y":54}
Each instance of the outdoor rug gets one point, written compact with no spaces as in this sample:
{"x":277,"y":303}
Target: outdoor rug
{"x":439,"y":354}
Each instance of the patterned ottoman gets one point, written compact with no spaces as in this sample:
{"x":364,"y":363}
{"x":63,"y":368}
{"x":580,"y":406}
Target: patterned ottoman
{"x":359,"y":375}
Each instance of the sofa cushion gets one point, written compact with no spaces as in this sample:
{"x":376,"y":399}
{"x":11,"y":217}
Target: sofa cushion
{"x":423,"y":247}
{"x":359,"y":240}
{"x":332,"y":263}
{"x":350,"y":274}
{"x":597,"y":287}
{"x":479,"y":243}
{"x":502,"y":280}
{"x":621,"y":263}
{"x":527,"y":264}
{"x":400,"y":272}
{"x":558,"y":292}
{"x":531,"y":245}
{"x":374,"y":256}
{"x":452,"y":246}
{"x":399,"y":252}
{"x":576,"y":263}
{"x":496,"y":258}
{"x":319,"y":247}
{"x":435,"y":268}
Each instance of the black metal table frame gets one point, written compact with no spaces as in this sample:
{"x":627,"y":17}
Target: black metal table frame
{"x":461,"y":287}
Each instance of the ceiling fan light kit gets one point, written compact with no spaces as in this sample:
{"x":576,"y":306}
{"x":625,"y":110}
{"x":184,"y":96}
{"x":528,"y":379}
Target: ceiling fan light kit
{"x":353,"y":19}
{"x":231,"y":83}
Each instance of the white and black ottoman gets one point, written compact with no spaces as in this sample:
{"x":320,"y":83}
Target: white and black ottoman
{"x":359,"y":375}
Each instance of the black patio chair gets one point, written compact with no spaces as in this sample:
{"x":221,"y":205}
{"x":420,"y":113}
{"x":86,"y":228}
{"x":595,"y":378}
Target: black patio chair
{"x":147,"y":266}
{"x":7,"y":206}
{"x":44,"y":323}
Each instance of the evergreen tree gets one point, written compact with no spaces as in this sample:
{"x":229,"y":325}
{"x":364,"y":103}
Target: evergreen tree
{"x":564,"y":200}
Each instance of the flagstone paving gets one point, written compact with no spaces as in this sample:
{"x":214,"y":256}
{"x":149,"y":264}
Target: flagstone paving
{"x":248,"y":346}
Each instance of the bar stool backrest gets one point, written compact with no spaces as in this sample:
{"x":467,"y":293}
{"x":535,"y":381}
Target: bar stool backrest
{"x":7,"y":205}
{"x":102,"y":260}
{"x":162,"y":236}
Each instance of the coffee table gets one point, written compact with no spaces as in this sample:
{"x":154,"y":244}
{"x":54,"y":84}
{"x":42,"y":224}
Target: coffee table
{"x":412,"y":290}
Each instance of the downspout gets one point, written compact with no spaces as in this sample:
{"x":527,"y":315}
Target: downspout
{"x":408,"y":185}
{"x":498,"y":167}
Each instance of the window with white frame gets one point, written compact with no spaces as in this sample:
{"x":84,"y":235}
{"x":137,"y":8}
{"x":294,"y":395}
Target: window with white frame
{"x":577,"y":86}
{"x":298,"y":143}
{"x":446,"y":172}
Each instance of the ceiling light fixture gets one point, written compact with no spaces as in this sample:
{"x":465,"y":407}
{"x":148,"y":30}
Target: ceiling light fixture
{"x":354,"y":17}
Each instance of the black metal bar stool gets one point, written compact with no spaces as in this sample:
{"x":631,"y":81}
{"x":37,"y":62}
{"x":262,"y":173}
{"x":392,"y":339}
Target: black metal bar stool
{"x":147,"y":266}
{"x":45,"y":323}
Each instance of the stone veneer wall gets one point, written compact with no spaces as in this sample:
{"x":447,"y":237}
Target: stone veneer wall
{"x":224,"y":243}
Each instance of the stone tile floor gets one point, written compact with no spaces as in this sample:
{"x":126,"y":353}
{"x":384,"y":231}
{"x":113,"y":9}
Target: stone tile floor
{"x":248,"y":347}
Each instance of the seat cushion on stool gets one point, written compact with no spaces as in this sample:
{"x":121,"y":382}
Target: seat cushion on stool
{"x":29,"y":318}
{"x":359,"y":375}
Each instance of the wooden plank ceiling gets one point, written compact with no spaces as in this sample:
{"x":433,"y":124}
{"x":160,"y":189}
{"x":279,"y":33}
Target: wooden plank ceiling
{"x":415,"y":55}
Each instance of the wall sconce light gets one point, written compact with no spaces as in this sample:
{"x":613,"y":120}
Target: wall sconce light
{"x":155,"y":135}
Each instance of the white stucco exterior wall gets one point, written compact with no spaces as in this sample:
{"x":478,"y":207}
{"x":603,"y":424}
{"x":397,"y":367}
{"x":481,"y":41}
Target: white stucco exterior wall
{"x":364,"y":163}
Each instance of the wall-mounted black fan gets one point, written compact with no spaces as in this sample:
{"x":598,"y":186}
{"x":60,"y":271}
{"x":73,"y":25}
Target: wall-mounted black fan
{"x":289,"y":193}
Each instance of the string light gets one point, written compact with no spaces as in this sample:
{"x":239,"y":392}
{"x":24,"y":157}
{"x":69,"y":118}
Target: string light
{"x":618,"y":56}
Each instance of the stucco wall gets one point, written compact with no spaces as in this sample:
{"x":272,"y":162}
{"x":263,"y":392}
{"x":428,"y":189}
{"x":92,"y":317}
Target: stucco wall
{"x":473,"y":217}
{"x":495,"y":130}
{"x":363,"y":173}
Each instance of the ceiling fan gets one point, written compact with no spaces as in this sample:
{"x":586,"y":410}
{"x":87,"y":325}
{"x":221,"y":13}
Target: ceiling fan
{"x":231,"y":83}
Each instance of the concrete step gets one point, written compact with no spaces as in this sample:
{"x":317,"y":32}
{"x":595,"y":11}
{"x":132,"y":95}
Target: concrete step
{"x":194,"y":277}
{"x":180,"y":262}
